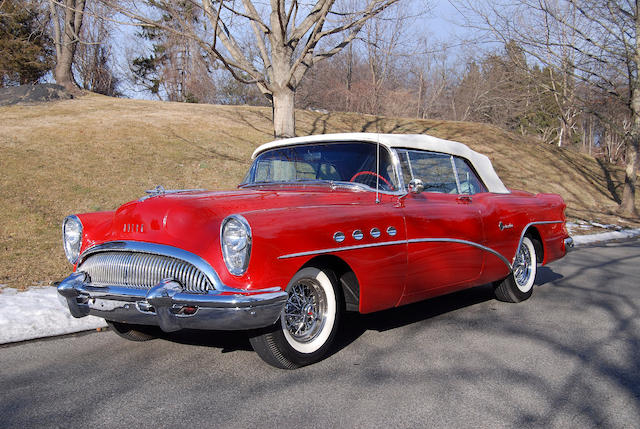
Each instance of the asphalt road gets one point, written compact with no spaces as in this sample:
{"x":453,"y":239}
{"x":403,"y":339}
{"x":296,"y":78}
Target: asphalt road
{"x":569,"y":357}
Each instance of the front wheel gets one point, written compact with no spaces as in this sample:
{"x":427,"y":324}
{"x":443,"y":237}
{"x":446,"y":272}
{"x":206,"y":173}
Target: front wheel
{"x":308,"y":321}
{"x":519,"y":285}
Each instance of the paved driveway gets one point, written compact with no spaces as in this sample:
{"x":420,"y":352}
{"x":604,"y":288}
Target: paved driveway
{"x":568,"y":357}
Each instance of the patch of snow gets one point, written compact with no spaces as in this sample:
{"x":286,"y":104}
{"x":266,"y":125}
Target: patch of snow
{"x":605,"y":236}
{"x":38,"y":312}
{"x":607,"y":226}
{"x":580,"y":226}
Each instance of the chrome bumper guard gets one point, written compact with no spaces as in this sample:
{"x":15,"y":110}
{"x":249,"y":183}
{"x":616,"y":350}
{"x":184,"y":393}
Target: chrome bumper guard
{"x":568,"y":244}
{"x":168,"y":307}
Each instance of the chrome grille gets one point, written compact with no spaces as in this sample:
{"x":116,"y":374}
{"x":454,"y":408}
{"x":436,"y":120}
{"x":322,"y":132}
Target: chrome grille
{"x":142,"y":271}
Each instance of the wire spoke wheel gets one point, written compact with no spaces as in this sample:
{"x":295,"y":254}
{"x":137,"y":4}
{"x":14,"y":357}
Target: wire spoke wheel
{"x":518,"y":286}
{"x":522,"y":267}
{"x":304,"y":313}
{"x":308,"y":321}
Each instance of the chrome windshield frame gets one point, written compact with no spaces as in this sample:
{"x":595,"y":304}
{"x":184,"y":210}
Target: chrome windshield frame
{"x":334,"y":184}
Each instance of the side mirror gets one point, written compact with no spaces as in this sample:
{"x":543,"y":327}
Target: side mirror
{"x":416,"y":186}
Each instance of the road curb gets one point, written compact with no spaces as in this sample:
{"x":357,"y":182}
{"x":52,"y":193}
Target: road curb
{"x":628,"y":234}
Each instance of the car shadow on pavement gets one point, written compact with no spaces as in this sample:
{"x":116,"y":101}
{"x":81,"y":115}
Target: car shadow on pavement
{"x":353,"y":325}
{"x":227,"y":341}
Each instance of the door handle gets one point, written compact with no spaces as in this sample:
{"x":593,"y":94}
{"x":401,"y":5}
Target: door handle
{"x":465,"y":199}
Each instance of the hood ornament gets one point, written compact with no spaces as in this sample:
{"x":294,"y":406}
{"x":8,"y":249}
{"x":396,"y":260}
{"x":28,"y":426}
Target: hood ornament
{"x":160,"y":190}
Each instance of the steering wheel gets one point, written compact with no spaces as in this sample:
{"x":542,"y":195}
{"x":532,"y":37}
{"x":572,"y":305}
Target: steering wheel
{"x":373,"y":174}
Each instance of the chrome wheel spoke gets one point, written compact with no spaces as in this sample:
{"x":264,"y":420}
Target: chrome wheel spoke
{"x":522,"y":266}
{"x":304,"y":310}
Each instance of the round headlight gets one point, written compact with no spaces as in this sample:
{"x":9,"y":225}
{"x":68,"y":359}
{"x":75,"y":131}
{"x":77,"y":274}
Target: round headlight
{"x":72,"y":237}
{"x":235,"y":240}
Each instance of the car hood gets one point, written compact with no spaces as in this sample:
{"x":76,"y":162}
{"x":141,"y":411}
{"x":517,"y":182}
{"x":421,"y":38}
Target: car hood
{"x":191,"y":220}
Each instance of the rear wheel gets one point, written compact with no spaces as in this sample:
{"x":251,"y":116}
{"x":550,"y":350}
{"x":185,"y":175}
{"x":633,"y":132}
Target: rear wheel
{"x":518,"y":286}
{"x":308,"y":322}
{"x":133,"y":332}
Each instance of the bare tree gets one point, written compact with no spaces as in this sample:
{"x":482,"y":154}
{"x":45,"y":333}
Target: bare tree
{"x":67,"y":18}
{"x":595,"y":41}
{"x":94,"y":57}
{"x":287,"y":39}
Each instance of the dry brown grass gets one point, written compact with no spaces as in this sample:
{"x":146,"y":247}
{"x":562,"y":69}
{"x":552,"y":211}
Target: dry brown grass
{"x":94,"y":153}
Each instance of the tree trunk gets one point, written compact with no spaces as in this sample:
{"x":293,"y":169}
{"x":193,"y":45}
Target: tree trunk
{"x":284,"y":120}
{"x":628,"y":206}
{"x":66,"y":40}
{"x":63,"y":73}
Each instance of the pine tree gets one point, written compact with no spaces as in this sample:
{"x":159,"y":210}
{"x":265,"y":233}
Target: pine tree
{"x":26,"y":51}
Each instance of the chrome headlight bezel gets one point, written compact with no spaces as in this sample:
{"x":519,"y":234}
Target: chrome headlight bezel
{"x":236,"y":251}
{"x":72,"y":237}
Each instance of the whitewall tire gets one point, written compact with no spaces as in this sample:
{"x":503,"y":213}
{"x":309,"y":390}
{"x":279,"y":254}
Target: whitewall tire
{"x":518,"y":286}
{"x":308,"y":321}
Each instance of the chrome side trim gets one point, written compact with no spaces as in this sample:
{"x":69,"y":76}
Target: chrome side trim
{"x":393,"y":243}
{"x":174,"y":252}
{"x":469,"y":243}
{"x":341,"y":249}
{"x":422,"y":240}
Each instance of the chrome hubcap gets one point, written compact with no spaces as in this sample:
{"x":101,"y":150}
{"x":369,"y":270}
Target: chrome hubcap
{"x":522,"y":266}
{"x":305,"y":310}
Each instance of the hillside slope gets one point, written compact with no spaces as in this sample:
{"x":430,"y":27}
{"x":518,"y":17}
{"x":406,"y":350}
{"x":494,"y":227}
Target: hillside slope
{"x":94,"y":153}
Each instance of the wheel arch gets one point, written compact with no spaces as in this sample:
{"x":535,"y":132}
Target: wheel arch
{"x":533,"y":233}
{"x":347,"y":280}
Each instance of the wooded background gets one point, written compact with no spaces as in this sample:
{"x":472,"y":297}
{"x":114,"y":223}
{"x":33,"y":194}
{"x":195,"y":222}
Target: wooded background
{"x":563,"y":71}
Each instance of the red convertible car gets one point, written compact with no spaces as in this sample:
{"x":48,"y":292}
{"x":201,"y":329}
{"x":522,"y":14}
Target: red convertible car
{"x":320,"y":225}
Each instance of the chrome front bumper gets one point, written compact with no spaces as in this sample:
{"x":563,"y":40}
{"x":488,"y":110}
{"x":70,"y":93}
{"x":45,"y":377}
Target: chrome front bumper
{"x":167,"y":306}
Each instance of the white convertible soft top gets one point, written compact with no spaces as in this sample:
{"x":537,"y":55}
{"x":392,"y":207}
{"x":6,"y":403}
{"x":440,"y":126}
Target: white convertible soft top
{"x":480,"y":162}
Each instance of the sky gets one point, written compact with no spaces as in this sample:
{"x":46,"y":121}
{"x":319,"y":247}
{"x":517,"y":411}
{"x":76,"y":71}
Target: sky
{"x":442,"y":25}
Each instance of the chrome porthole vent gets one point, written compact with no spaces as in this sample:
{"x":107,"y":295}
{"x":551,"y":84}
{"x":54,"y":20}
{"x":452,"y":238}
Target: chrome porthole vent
{"x":375,"y":232}
{"x":338,"y":237}
{"x":358,"y":235}
{"x":391,"y":231}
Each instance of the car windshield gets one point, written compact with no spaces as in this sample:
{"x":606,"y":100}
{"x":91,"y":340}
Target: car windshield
{"x":328,"y":162}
